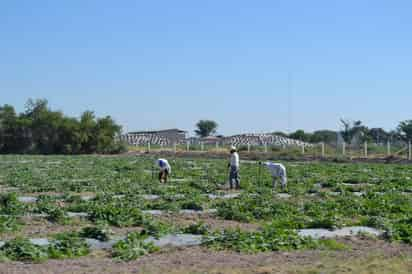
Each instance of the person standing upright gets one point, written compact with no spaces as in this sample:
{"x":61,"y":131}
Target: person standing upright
{"x":234,"y":168}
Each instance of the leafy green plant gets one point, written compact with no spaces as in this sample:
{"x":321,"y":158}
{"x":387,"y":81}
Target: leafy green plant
{"x":10,"y":205}
{"x":385,"y":203}
{"x":101,"y":232}
{"x":133,"y":247}
{"x":3,"y":257}
{"x":68,"y":245}
{"x":192,"y":205}
{"x":57,"y":215}
{"x":23,"y":250}
{"x":196,"y":229}
{"x":156,"y":228}
{"x":260,"y":241}
{"x":9,"y":223}
{"x":328,"y":221}
{"x":117,"y":214}
{"x":54,"y":213}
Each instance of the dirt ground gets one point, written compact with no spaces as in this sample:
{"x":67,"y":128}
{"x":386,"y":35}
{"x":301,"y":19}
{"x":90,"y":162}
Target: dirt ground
{"x":210,"y":220}
{"x":41,"y":228}
{"x":363,"y":256}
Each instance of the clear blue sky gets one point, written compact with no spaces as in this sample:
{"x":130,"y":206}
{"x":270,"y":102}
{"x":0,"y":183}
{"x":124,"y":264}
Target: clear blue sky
{"x":157,"y":64}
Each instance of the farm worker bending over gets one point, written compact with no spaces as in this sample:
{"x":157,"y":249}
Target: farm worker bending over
{"x":234,"y":168}
{"x":278,"y":171}
{"x":165,"y":170}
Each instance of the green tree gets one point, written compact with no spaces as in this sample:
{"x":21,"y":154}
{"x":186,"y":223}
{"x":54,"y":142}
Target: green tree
{"x":35,"y":107}
{"x":346,"y":131}
{"x":405,"y":130}
{"x":206,"y":128}
{"x":44,"y":126}
{"x":15,"y":136}
{"x":300,"y":135}
{"x":40,"y":130}
{"x":378,"y":135}
{"x":69,"y":136}
{"x":107,"y":130}
{"x":8,"y":121}
{"x":327,"y":136}
{"x":350,"y":130}
{"x":88,"y":133}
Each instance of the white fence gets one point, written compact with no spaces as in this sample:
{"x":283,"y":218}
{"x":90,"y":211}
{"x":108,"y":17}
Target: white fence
{"x":366,"y":150}
{"x":268,"y":143}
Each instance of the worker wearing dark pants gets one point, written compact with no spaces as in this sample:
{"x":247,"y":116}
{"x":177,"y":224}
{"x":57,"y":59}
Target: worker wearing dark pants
{"x":164,"y":170}
{"x":234,"y":168}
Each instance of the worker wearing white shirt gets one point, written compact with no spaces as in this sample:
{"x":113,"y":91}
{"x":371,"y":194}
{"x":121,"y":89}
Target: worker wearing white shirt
{"x":234,"y":168}
{"x":165,"y":169}
{"x":278,"y":171}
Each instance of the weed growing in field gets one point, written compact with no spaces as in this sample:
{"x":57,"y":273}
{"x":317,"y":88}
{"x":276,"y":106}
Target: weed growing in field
{"x":331,"y":244}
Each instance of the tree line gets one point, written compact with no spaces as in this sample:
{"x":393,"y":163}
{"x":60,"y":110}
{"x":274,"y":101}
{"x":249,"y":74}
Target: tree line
{"x":205,"y":128}
{"x":351,"y":132}
{"x":357,"y":132}
{"x":40,"y":130}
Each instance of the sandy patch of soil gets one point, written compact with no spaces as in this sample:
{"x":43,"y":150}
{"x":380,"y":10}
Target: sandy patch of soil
{"x":202,"y":260}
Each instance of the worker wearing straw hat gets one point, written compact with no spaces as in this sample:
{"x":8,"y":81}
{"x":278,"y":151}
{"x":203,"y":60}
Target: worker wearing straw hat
{"x":234,"y":168}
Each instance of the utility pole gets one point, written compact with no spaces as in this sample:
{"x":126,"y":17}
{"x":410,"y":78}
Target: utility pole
{"x":290,"y":103}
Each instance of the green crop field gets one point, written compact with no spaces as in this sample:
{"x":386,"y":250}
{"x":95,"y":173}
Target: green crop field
{"x":113,"y":208}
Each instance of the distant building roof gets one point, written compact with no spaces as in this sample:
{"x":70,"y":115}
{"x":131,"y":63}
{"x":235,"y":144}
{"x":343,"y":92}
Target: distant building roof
{"x":158,"y":131}
{"x":211,"y":138}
